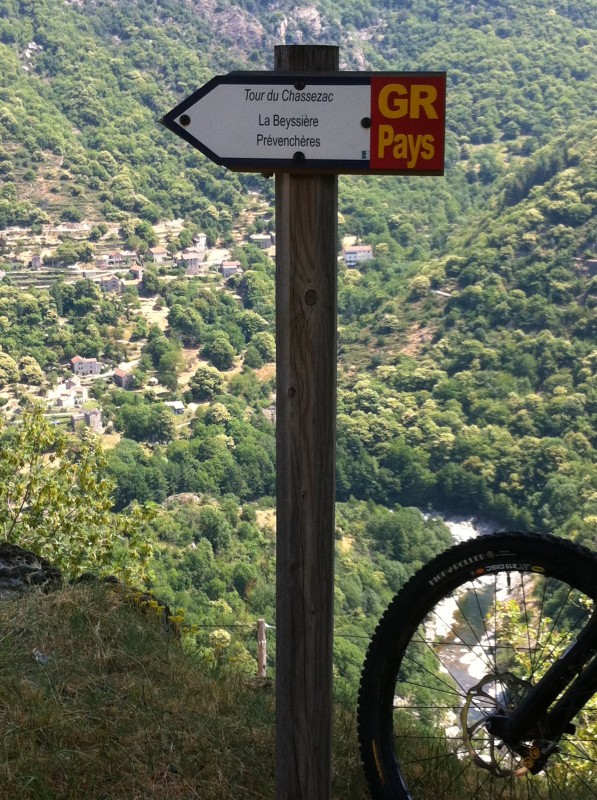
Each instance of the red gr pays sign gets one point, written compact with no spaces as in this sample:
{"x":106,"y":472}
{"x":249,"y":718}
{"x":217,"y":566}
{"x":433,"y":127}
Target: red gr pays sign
{"x":408,"y":115}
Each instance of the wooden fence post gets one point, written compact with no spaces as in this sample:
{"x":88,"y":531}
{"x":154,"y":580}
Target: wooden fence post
{"x":306,"y":289}
{"x":261,"y":649}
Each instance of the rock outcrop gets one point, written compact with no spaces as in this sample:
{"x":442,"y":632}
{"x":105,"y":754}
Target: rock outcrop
{"x":20,"y":570}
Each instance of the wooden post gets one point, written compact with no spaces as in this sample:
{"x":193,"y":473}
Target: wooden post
{"x":261,"y":649}
{"x":306,"y":289}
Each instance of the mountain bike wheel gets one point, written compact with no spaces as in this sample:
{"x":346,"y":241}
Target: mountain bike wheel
{"x":467,"y":636}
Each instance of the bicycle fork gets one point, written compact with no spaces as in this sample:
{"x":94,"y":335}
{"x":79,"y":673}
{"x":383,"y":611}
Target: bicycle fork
{"x":541,"y":717}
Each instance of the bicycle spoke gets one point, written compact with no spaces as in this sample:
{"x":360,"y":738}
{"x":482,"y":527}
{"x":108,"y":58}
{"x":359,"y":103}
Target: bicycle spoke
{"x":482,"y":617}
{"x":443,"y":795}
{"x":527,"y":625}
{"x":411,"y":658}
{"x":431,"y":688}
{"x":576,"y":775}
{"x":553,"y":627}
{"x":560,"y":644}
{"x":470,"y":627}
{"x":428,"y":671}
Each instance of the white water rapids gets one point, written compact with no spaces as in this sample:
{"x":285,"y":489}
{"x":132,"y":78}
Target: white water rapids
{"x":468,"y":668}
{"x":463,"y":528}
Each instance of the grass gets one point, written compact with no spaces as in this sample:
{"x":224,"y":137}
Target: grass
{"x":97,"y":702}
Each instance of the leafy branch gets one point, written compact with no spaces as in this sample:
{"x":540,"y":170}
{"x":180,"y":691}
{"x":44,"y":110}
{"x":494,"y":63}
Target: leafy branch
{"x":56,"y":499}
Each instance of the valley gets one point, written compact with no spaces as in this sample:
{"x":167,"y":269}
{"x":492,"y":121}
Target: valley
{"x":466,"y":347}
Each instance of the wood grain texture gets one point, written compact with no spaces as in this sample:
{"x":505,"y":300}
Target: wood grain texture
{"x":306,"y":324}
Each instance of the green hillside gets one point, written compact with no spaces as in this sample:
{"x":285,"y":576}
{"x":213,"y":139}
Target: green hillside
{"x":84,"y":84}
{"x":466,"y":346}
{"x":490,"y":352}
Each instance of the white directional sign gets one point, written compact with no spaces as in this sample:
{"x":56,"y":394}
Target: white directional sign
{"x":339,"y":122}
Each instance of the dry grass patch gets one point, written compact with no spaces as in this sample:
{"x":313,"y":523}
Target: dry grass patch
{"x":98,"y":702}
{"x":155,"y":316}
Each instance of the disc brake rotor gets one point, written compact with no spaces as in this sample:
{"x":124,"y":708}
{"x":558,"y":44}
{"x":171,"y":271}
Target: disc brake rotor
{"x":497,"y":693}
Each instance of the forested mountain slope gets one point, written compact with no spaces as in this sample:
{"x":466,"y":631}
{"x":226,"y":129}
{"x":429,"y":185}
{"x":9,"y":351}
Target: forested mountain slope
{"x":83,"y":84}
{"x":466,"y":347}
{"x":481,"y":394}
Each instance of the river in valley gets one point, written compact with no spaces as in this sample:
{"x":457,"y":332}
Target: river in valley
{"x":463,"y":528}
{"x":459,"y":621}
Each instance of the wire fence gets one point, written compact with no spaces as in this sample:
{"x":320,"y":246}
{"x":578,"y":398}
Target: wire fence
{"x":263,"y":629}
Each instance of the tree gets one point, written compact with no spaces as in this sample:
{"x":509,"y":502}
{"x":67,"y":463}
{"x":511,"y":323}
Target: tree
{"x":251,"y":323}
{"x":220,"y":351}
{"x":70,"y":251}
{"x":9,"y":370}
{"x":169,"y":366}
{"x":31,"y":372}
{"x":212,"y":525}
{"x":253,"y":358}
{"x":144,"y":230}
{"x":96,"y":233}
{"x":205,"y":383}
{"x":265,"y":344}
{"x":150,"y":283}
{"x":162,"y":423}
{"x":187,"y":322}
{"x":72,"y":214}
{"x":56,"y":500}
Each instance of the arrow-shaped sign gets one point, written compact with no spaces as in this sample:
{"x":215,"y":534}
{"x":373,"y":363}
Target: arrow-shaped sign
{"x":382,"y":123}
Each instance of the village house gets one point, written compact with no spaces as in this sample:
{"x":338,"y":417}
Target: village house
{"x":102,"y":262}
{"x":230,"y":268}
{"x":193,"y":260}
{"x":177,"y":406}
{"x":357,"y":253}
{"x":36,"y":261}
{"x":262,"y":240}
{"x":81,"y":393}
{"x":120,"y":259}
{"x":115,"y":259}
{"x":85,"y":366}
{"x":112,"y":284}
{"x":74,"y":418}
{"x":122,"y":378}
{"x":137,"y":272}
{"x":65,"y":400}
{"x":93,"y":419}
{"x":200,"y":241}
{"x":156,"y":254}
{"x":68,"y":394}
{"x":196,"y":269}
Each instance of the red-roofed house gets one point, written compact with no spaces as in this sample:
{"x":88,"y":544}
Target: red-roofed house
{"x":85,"y":366}
{"x":230,"y":268}
{"x":116,"y":259}
{"x":122,"y":378}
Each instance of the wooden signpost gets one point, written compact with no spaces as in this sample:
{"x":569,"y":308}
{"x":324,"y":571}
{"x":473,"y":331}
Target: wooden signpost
{"x":307,"y":122}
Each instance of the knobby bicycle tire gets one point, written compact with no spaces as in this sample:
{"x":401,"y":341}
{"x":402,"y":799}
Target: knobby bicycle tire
{"x":466,"y":636}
